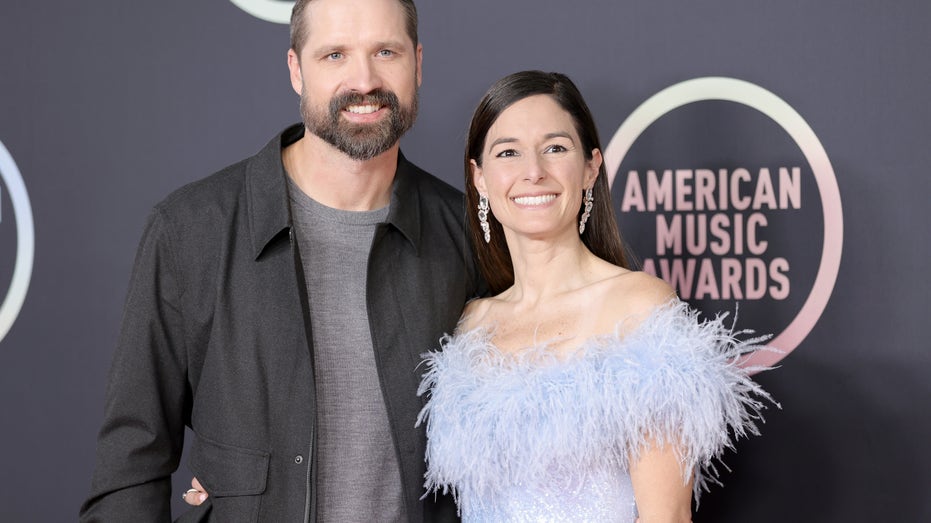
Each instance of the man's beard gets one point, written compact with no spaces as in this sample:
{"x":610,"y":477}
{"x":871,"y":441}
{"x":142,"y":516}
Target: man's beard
{"x":360,"y":141}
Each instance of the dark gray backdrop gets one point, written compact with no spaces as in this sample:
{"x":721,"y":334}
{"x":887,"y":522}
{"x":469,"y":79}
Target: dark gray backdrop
{"x":107,"y":106}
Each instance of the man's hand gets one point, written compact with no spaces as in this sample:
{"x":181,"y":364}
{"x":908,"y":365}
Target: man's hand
{"x":196,"y":495}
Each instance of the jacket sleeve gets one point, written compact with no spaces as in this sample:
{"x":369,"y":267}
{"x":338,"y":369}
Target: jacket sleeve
{"x":148,"y":398}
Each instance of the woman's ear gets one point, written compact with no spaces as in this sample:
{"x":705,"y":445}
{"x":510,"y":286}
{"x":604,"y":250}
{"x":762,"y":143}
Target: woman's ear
{"x":594,"y":167}
{"x":478,"y":179}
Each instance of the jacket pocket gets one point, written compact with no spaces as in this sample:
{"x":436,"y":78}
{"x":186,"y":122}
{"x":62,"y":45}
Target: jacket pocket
{"x":199,"y":514}
{"x":234,"y":477}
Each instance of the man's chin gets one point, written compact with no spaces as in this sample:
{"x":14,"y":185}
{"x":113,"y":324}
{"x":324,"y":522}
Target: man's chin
{"x":363,"y":131}
{"x":363,"y":154}
{"x":362,"y":145}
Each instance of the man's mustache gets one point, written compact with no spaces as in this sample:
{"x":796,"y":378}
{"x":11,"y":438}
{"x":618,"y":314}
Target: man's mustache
{"x":379,"y":97}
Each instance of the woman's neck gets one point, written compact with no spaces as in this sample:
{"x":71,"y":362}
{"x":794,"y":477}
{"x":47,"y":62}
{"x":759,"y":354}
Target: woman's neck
{"x":547,"y":268}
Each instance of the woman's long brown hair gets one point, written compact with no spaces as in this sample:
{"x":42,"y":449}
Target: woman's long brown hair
{"x":601,"y":235}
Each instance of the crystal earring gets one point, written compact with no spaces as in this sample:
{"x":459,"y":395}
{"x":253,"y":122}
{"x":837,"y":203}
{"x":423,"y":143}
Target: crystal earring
{"x":589,"y":203}
{"x":483,"y":217}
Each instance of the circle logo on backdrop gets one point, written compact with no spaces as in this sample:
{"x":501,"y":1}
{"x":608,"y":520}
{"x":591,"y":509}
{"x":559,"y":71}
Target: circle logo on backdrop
{"x":725,"y":192}
{"x":16,"y":224}
{"x":269,"y":10}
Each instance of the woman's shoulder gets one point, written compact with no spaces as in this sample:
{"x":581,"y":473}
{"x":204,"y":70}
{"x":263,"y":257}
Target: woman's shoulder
{"x":642,"y":286}
{"x":630,"y":298}
{"x":473,"y":314}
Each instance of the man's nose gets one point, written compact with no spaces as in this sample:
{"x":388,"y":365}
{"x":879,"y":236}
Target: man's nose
{"x":363,"y":76}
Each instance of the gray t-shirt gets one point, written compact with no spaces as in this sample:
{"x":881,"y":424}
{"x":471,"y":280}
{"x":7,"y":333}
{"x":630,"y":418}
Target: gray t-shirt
{"x":359,"y":478}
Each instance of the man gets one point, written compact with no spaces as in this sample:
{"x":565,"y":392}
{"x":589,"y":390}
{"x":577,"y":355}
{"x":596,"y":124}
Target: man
{"x":279,"y":307}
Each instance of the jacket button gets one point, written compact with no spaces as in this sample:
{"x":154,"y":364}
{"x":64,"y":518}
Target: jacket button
{"x":298,"y":459}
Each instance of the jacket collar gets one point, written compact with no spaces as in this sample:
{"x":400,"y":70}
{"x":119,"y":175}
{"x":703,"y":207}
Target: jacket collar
{"x":404,"y":213}
{"x":269,"y":206}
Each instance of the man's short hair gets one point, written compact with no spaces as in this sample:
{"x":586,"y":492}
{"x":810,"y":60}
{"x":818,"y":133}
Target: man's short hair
{"x":299,"y":23}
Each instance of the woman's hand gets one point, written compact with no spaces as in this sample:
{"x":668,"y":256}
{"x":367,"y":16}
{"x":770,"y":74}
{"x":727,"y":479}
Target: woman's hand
{"x":196,"y":494}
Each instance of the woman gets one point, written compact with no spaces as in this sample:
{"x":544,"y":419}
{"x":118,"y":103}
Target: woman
{"x":582,"y":390}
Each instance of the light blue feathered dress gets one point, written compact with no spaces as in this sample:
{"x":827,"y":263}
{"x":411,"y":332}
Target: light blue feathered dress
{"x":530,"y":436}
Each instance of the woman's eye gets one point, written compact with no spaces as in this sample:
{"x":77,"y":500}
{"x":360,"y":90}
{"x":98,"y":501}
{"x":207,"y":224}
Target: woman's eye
{"x":507,"y":153}
{"x":555,"y":148}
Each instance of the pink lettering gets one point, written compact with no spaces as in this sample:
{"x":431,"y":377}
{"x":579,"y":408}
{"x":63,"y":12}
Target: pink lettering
{"x":683,"y":189}
{"x":764,"y":191}
{"x":731,"y":270}
{"x":707,"y":283}
{"x":696,"y":234}
{"x":777,"y":273}
{"x":739,"y":202}
{"x":755,"y":220}
{"x":633,"y":193}
{"x":659,"y":192}
{"x":719,"y":223}
{"x":678,"y":275}
{"x":668,"y":235}
{"x":704,"y":190}
{"x":790,"y":189}
{"x":755,"y":279}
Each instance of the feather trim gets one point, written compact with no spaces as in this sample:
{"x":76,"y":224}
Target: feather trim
{"x":497,"y":420}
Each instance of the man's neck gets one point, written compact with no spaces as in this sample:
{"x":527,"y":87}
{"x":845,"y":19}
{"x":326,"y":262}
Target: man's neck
{"x":334,"y":179}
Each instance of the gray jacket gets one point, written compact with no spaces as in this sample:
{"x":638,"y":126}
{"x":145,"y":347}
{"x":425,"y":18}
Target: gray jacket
{"x":216,"y":336}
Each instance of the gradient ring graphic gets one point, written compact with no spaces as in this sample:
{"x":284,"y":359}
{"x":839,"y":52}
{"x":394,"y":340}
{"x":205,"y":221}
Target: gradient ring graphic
{"x":25,"y":242}
{"x":756,"y":97}
{"x":268,"y":10}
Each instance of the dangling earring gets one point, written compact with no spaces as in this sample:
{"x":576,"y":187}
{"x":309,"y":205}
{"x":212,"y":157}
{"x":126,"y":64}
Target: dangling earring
{"x":589,"y":202}
{"x":483,"y":217}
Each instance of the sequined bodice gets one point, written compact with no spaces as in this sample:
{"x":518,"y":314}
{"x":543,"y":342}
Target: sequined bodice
{"x":603,"y":496}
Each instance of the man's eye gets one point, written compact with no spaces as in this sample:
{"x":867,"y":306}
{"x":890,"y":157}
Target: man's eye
{"x":334,"y":56}
{"x":386,"y":53}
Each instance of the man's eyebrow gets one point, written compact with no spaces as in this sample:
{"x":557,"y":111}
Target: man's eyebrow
{"x":327,"y":49}
{"x":391,"y":44}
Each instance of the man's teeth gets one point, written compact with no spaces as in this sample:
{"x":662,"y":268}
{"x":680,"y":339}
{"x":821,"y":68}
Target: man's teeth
{"x":534,"y":200}
{"x":362,"y":109}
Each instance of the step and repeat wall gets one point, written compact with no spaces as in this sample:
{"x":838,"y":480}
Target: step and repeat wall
{"x":769,"y":159}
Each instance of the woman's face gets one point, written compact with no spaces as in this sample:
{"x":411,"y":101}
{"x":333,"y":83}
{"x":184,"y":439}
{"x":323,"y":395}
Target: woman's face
{"x":534,"y":169}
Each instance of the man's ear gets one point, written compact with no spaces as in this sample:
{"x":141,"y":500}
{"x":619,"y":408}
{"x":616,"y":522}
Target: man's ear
{"x":419,"y":54}
{"x":294,"y":68}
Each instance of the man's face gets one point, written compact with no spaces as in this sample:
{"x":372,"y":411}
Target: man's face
{"x":357,"y":75}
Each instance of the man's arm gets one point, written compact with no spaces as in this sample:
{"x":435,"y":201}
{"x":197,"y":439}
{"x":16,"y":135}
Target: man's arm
{"x":148,"y":398}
